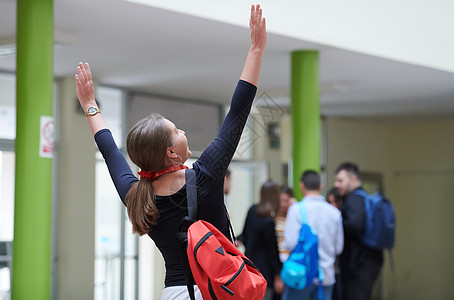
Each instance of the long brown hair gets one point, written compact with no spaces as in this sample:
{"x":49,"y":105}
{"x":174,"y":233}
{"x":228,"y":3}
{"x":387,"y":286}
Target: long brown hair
{"x":146,"y":143}
{"x":269,"y":199}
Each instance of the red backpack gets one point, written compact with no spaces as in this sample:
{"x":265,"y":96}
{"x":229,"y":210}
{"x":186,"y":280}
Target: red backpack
{"x":219,"y":269}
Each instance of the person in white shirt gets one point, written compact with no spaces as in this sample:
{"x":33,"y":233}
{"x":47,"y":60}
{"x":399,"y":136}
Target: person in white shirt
{"x":286,"y":200}
{"x":326,"y":221}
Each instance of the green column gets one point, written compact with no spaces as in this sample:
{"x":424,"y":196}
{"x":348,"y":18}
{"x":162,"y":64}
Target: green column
{"x":32,"y":212}
{"x":305,"y":112}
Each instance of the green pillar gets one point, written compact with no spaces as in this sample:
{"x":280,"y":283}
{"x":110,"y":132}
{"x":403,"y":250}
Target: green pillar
{"x":32,"y":212}
{"x":305,"y":115}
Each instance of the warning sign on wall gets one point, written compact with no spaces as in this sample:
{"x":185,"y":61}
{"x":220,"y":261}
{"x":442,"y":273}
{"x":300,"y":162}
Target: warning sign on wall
{"x":46,"y":138}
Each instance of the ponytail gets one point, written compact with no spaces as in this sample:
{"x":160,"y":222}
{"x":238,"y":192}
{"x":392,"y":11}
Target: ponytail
{"x":147,"y":143}
{"x":141,"y":207}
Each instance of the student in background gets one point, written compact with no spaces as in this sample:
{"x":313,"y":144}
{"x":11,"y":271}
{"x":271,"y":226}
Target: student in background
{"x":227,"y":180}
{"x":326,"y":222}
{"x":259,"y":237}
{"x":335,"y":199}
{"x":286,"y":199}
{"x":360,"y":265}
{"x":227,"y":184}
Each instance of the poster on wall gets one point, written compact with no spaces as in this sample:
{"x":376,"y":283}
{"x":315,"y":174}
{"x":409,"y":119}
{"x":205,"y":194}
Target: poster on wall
{"x":46,"y":137}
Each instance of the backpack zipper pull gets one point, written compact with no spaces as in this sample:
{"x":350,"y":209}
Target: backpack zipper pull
{"x":227,"y":290}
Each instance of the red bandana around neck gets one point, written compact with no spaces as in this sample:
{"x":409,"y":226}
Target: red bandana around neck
{"x":152,"y":176}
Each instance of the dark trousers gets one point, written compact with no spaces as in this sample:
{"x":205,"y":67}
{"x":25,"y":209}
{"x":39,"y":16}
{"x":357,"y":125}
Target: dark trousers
{"x":359,"y":286}
{"x":337,"y":290}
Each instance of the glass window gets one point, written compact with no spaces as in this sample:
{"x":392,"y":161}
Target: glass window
{"x":107,"y":235}
{"x":115,"y":267}
{"x":115,"y":245}
{"x":7,"y":168}
{"x":131,"y":261}
{"x":110,"y":101}
{"x":246,"y":180}
{"x":7,"y":106}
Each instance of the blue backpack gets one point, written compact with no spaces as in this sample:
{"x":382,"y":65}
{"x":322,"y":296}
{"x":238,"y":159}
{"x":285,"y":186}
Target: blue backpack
{"x":379,"y":232}
{"x":301,"y":267}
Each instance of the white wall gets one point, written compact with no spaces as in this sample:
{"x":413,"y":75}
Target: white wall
{"x":421,"y":185}
{"x":364,"y":143}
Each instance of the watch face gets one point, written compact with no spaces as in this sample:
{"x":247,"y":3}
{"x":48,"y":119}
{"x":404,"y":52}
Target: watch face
{"x":92,"y":110}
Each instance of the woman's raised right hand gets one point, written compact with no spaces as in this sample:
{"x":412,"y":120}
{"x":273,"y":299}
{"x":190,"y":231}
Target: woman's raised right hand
{"x":257,"y":25}
{"x":84,"y":86}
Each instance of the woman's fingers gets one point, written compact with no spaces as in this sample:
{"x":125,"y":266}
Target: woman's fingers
{"x":256,"y":21}
{"x":84,"y":83}
{"x":87,"y":68}
{"x":77,"y":81}
{"x":257,"y":26}
{"x":80,"y":71}
{"x":84,"y":72}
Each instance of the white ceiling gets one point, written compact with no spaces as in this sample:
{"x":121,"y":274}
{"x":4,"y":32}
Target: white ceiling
{"x":163,"y":52}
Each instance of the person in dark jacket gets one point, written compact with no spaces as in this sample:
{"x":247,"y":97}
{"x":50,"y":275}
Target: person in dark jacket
{"x":359,"y":264}
{"x":336,"y":200}
{"x":259,"y":237}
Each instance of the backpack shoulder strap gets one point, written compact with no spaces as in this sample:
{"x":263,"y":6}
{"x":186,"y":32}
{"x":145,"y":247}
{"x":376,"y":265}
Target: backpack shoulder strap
{"x":187,"y":271}
{"x":230,"y":225}
{"x":191,"y":193}
{"x":321,"y":277}
{"x":360,"y":192}
{"x":303,"y":213}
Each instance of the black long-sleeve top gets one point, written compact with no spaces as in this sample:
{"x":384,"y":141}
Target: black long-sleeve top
{"x":210,"y":170}
{"x":354,"y":222}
